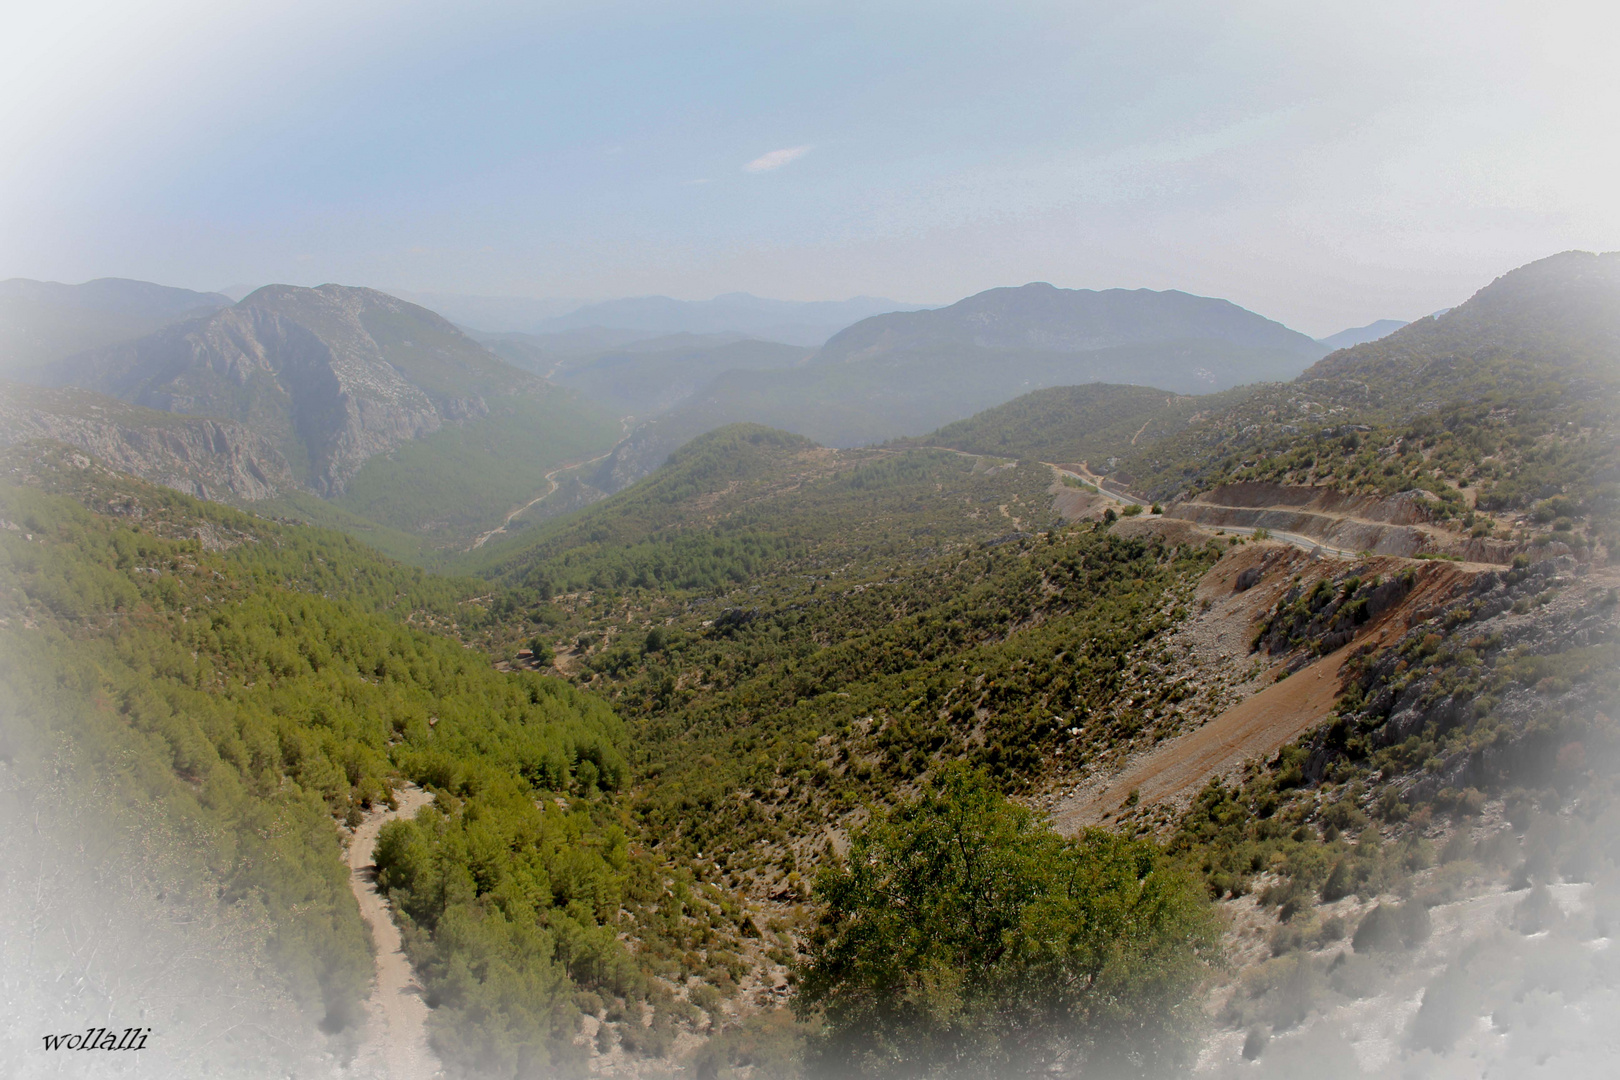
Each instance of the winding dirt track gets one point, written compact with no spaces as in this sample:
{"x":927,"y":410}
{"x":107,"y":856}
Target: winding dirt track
{"x":395,"y":1045}
{"x":551,"y":479}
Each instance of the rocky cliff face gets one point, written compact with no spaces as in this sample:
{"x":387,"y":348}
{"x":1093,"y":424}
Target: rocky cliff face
{"x":329,"y":376}
{"x":211,"y":459}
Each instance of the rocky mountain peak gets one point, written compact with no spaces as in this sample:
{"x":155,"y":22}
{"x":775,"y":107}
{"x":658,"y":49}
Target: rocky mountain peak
{"x":332,"y":375}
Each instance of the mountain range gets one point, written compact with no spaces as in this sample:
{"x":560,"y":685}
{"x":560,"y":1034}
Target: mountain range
{"x":389,"y":411}
{"x":905,"y":373}
{"x":1358,"y":335}
{"x":789,"y":321}
{"x":42,"y":322}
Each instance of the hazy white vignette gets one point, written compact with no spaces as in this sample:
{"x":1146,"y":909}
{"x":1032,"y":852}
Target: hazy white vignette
{"x":541,"y":394}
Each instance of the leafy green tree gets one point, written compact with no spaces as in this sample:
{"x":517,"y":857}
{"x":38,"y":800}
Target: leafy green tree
{"x":963,"y":937}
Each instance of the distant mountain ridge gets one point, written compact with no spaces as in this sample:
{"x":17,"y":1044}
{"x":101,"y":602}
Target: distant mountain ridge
{"x":1359,"y":335}
{"x":902,"y":374}
{"x":1041,"y":317}
{"x":640,"y":381}
{"x":792,"y":322}
{"x":42,"y":322}
{"x":490,"y":314}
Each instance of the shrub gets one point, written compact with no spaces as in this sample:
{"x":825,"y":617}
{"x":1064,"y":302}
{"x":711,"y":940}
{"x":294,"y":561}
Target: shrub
{"x":962,"y":932}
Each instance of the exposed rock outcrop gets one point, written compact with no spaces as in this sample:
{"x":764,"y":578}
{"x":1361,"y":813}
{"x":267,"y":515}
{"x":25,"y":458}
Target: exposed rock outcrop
{"x":330,"y":376}
{"x":211,"y":459}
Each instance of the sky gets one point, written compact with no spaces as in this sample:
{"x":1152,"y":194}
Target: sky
{"x":1324,"y":164}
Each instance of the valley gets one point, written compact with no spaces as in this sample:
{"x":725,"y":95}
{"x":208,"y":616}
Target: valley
{"x":532,"y":741}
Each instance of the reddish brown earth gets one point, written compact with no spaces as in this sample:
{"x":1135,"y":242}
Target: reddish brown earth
{"x":1259,"y":726}
{"x":1277,"y":714}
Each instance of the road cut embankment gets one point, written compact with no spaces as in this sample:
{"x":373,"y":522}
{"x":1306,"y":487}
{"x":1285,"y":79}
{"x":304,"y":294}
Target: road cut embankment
{"x":1266,"y":721}
{"x":1400,"y":525}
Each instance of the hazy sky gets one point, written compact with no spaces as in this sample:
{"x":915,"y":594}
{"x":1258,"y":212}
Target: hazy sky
{"x":1325,"y":164}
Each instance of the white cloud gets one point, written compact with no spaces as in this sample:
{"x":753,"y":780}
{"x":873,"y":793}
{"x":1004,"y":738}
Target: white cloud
{"x":776,"y":159}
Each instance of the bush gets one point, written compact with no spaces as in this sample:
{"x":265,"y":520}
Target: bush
{"x":963,"y":933}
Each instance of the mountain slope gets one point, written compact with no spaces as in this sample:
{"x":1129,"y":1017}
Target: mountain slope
{"x":1514,"y":394}
{"x":347,"y":394}
{"x":208,"y":458}
{"x":332,"y":375}
{"x":1041,"y":318}
{"x":1558,"y":316}
{"x":42,"y":322}
{"x":906,"y":373}
{"x":239,"y":692}
{"x":799,"y":639}
{"x":795,"y":651}
{"x":335,"y":377}
{"x":1077,"y":423}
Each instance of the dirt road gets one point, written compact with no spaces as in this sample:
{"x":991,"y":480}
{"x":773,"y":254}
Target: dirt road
{"x":1259,"y":726}
{"x":1081,"y":472}
{"x":395,"y":1045}
{"x":551,"y":481}
{"x":1304,"y":543}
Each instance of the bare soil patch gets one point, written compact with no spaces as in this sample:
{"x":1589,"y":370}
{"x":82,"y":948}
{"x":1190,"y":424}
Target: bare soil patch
{"x":395,"y":1044}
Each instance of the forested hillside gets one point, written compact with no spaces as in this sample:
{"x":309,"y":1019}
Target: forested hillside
{"x":257,"y":685}
{"x":804,"y":642}
{"x":1090,"y":423}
